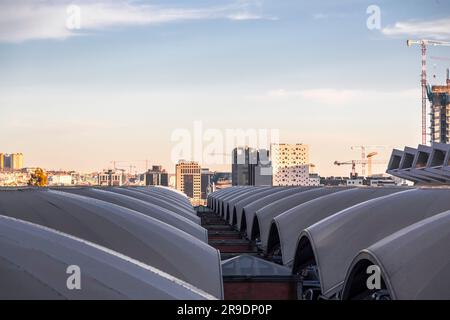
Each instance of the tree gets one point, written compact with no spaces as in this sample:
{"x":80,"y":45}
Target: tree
{"x":38,"y":178}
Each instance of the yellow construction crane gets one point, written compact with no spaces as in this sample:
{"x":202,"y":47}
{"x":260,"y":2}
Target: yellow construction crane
{"x":423,"y":43}
{"x":369,"y":162}
{"x":363,"y":156}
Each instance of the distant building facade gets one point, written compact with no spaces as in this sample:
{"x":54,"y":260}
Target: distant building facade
{"x":11,"y":162}
{"x":111,"y":178}
{"x":59,"y":179}
{"x":188,"y":179}
{"x":291,"y":166}
{"x":251,"y":167}
{"x":157,"y":176}
{"x":206,"y":182}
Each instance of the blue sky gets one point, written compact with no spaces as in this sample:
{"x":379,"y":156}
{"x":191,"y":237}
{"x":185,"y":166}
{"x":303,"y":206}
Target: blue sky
{"x":137,"y":70}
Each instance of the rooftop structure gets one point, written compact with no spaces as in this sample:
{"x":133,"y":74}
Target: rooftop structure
{"x":328,"y":236}
{"x":423,"y":165}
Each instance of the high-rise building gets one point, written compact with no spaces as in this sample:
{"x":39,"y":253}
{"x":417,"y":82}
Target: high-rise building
{"x":188,"y":179}
{"x":291,"y":165}
{"x":17,"y":161}
{"x":439,"y":97}
{"x":206,"y":182}
{"x":11,"y":162}
{"x":251,"y":167}
{"x":157,"y":176}
{"x":240,"y":167}
{"x":7,"y":162}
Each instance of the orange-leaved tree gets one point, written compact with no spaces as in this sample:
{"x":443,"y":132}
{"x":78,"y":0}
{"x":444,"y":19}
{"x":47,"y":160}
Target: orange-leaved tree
{"x":38,"y":178}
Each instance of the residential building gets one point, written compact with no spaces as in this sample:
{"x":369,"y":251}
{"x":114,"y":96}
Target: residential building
{"x":291,"y":166}
{"x":111,"y":178}
{"x":7,"y":162}
{"x":157,"y":176}
{"x":11,"y":162}
{"x":17,"y":161}
{"x":188,"y":179}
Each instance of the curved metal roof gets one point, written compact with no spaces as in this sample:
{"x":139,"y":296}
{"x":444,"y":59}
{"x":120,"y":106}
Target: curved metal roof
{"x":230,"y":203}
{"x":218,"y":195}
{"x":236,"y":211}
{"x":414,"y":261}
{"x":222,"y":200}
{"x":249,"y":211}
{"x":337,"y":239}
{"x":34,"y":261}
{"x":147,"y":208}
{"x":123,"y":230}
{"x":289,"y":224}
{"x":210,"y":199}
{"x":159,"y":201}
{"x":168,"y":195}
{"x":266,"y":214}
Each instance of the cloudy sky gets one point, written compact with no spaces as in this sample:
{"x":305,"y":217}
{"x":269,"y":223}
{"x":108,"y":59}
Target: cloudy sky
{"x":135,"y":72}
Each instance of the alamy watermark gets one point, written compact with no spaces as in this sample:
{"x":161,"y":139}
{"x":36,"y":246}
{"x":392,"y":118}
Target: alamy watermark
{"x":215,"y":146}
{"x":374,"y":280}
{"x":73,"y":21}
{"x":373,"y":21}
{"x":74,"y":280}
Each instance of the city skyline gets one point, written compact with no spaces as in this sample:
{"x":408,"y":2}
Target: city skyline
{"x":118,"y":87}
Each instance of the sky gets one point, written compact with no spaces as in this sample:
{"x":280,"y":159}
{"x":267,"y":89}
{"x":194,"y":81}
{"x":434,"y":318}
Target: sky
{"x":135,"y":73}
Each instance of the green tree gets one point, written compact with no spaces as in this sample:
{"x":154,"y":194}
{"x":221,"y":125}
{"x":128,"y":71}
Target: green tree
{"x":38,"y":178}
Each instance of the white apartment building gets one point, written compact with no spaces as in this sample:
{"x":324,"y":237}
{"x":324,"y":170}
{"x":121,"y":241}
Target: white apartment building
{"x":291,"y":165}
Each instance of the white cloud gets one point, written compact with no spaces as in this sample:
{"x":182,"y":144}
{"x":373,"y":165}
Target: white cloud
{"x":436,"y":29}
{"x":322,"y":95}
{"x":337,"y":97}
{"x":29,"y":19}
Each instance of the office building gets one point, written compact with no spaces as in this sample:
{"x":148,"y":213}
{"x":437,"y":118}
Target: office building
{"x":251,"y":167}
{"x":291,"y":165}
{"x":188,"y":179}
{"x":439,"y":97}
{"x":2,"y":162}
{"x":157,"y":176}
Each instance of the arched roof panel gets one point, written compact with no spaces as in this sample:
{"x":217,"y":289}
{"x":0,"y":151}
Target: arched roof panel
{"x":239,"y":206}
{"x":159,"y":201}
{"x":251,"y":208}
{"x":414,"y":260}
{"x":290,"y":223}
{"x":337,"y":239}
{"x":123,"y":230}
{"x":147,"y":208}
{"x":266,"y":214}
{"x":34,"y":261}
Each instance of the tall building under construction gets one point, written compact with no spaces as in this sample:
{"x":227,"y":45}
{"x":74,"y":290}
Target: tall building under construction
{"x":439,"y":97}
